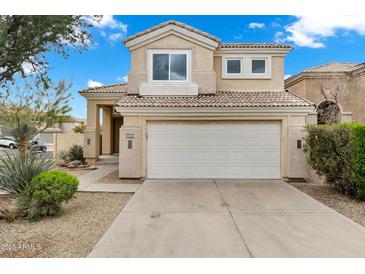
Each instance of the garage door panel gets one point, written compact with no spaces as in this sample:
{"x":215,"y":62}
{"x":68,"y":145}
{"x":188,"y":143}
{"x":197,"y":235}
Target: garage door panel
{"x":213,"y":150}
{"x":270,"y":156}
{"x":269,"y":141}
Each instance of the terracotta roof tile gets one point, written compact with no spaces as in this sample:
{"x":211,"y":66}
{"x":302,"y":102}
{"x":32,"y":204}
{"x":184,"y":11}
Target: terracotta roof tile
{"x":335,"y":67}
{"x":220,"y":99}
{"x":254,"y":45}
{"x":114,"y":88}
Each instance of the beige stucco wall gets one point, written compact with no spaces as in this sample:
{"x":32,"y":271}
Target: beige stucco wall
{"x":276,"y":81}
{"x":357,"y":98}
{"x":92,"y":131}
{"x":130,"y":158}
{"x":117,"y":124}
{"x":313,"y":90}
{"x":206,"y":69}
{"x":298,"y":168}
{"x":352,"y":95}
{"x":297,"y":163}
{"x":63,"y":141}
{"x":67,"y":127}
{"x":202,"y":72}
{"x":106,"y":132}
{"x":297,"y":88}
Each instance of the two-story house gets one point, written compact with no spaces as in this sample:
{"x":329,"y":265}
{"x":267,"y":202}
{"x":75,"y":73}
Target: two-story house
{"x":195,"y":107}
{"x":343,"y":84}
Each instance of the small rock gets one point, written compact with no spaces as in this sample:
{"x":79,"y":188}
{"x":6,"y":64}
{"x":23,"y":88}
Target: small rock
{"x":74,"y":164}
{"x":91,"y":167}
{"x":20,"y":213}
{"x":155,"y":215}
{"x":83,"y":166}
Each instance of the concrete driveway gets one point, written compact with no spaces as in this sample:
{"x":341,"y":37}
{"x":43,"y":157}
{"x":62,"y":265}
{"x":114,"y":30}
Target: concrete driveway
{"x":228,"y":218}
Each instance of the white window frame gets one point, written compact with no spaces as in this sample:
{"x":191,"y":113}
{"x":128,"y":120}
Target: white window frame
{"x":225,"y":67}
{"x":266,"y":66}
{"x":169,"y":52}
{"x":246,"y":66}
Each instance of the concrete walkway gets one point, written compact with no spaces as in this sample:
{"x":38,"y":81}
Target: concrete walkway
{"x":106,"y":165}
{"x":228,"y":218}
{"x":92,"y":177}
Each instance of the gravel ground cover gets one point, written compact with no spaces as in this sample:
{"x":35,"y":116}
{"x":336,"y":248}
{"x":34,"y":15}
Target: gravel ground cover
{"x":73,"y":234}
{"x":75,"y":172}
{"x":113,"y":178}
{"x":337,"y":201}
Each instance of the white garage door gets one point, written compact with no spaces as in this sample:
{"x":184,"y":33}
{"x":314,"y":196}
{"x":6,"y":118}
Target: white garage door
{"x":214,"y":150}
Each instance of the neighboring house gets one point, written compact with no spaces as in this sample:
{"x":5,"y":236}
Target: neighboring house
{"x":347,"y":80}
{"x":68,"y":125}
{"x":4,"y":131}
{"x":64,"y":127}
{"x":47,"y":135}
{"x":196,"y":107}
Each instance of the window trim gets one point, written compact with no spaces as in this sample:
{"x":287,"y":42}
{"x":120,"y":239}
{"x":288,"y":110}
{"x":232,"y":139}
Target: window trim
{"x":169,"y":52}
{"x":225,"y":73}
{"x":226,"y":66}
{"x":260,"y":73}
{"x":247,"y":66}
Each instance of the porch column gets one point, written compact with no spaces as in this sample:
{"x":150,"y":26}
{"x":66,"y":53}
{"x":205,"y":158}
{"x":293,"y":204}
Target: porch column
{"x":130,"y":152}
{"x":92,"y":133}
{"x":298,"y":167}
{"x":106,"y":146}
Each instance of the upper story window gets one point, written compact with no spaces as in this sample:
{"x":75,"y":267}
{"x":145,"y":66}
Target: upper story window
{"x":169,"y":73}
{"x":234,"y":66}
{"x":170,"y":66}
{"x":246,"y":66}
{"x":258,"y":66}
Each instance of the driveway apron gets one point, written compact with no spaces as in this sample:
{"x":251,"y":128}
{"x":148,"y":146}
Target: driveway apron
{"x":228,"y":218}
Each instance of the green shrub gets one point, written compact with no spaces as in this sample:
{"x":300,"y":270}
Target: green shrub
{"x":17,"y":171}
{"x":358,"y":159}
{"x":48,"y":191}
{"x":337,"y":152}
{"x":9,"y":216}
{"x":76,"y":152}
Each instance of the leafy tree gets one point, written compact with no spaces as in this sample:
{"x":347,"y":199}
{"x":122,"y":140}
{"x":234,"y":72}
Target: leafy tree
{"x":80,"y":128}
{"x":25,"y":40}
{"x":29,"y":110}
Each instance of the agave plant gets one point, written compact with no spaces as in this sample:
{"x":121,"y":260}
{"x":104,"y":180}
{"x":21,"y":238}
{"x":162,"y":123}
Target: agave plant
{"x":76,"y":152}
{"x":17,"y":171}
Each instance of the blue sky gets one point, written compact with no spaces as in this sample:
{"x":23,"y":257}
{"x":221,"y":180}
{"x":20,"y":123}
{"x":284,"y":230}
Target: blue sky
{"x":317,"y":40}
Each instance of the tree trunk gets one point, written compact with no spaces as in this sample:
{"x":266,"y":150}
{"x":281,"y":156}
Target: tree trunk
{"x":22,"y":144}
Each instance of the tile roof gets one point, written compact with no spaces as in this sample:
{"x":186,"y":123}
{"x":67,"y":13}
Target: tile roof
{"x":114,"y":88}
{"x":172,"y":22}
{"x":222,"y":45}
{"x":74,"y":119}
{"x":254,"y":45}
{"x":52,"y":130}
{"x":220,"y":99}
{"x":335,"y":67}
